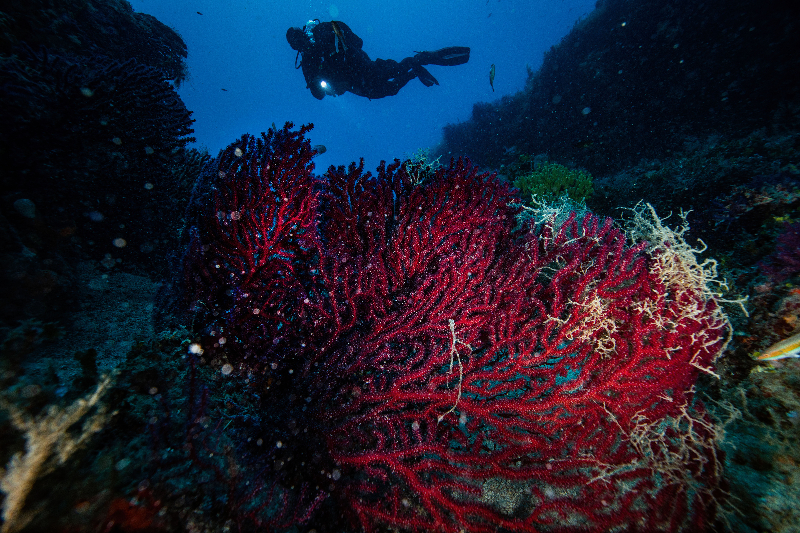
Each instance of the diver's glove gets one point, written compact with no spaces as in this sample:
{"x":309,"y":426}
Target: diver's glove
{"x":452,"y":55}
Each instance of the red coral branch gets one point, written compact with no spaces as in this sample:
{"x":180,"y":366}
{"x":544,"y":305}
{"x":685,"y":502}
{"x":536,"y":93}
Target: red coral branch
{"x":463,"y":375}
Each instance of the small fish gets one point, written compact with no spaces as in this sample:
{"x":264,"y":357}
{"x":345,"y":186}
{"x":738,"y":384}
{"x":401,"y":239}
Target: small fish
{"x":319,"y":148}
{"x":781,"y":350}
{"x":226,"y":90}
{"x":491,"y":76}
{"x":199,"y":13}
{"x":338,"y":36}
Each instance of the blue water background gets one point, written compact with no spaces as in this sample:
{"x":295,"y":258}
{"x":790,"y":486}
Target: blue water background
{"x":240,"y":46}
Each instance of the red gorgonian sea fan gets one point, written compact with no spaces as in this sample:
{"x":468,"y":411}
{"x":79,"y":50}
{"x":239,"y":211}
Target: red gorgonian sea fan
{"x":437,"y":366}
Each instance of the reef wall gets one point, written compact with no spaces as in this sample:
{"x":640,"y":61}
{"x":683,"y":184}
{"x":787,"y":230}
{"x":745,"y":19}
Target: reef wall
{"x":636,"y":80}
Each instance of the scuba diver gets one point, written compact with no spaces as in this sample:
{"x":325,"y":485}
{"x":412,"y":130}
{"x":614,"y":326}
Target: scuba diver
{"x":333,"y":62}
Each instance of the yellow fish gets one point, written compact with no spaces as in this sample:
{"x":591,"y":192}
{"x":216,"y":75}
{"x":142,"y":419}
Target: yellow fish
{"x":491,"y":76}
{"x":781,"y":350}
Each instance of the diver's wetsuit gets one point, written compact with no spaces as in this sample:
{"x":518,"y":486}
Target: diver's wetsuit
{"x":334,"y":63}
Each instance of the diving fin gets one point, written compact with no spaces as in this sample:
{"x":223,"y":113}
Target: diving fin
{"x":424,"y":76}
{"x":450,"y":56}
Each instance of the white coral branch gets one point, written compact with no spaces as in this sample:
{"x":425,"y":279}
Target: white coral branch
{"x":47,"y":444}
